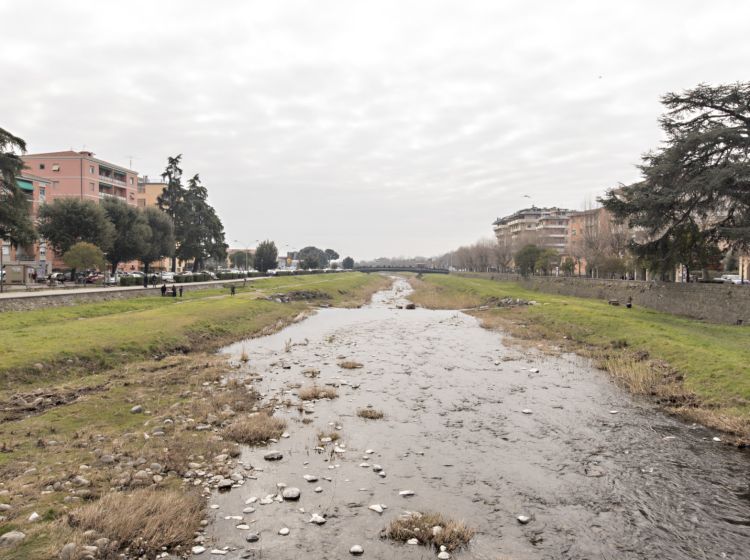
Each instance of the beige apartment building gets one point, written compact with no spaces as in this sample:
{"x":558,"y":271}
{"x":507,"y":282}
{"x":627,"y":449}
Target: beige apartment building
{"x":544,"y":227}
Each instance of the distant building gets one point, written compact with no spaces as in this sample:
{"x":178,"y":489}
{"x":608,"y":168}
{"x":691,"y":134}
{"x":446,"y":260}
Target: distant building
{"x":81,"y":175}
{"x":544,"y":227}
{"x":149,"y":192}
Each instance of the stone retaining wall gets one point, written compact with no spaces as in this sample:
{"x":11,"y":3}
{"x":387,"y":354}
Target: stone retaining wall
{"x":715,"y":303}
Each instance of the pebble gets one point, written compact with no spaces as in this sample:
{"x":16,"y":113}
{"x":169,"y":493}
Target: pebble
{"x":290,"y":493}
{"x":526,"y":411}
{"x":249,"y":509}
{"x":318,"y":490}
{"x":224,"y":484}
{"x":317,"y":519}
{"x":443,"y":555}
{"x":310,"y":478}
{"x":356,"y":550}
{"x":717,"y":439}
{"x":377,"y":468}
{"x":534,"y":370}
{"x":11,"y":537}
{"x":523,"y":519}
{"x":137,"y":409}
{"x":284,"y":531}
{"x":376,"y":508}
{"x":369,"y":451}
{"x":412,"y":541}
{"x":406,"y":493}
{"x":252,"y":537}
{"x":218,"y":551}
{"x":273,"y":456}
{"x":34,"y":517}
{"x":242,"y":526}
{"x":198,"y":549}
{"x":285,"y":435}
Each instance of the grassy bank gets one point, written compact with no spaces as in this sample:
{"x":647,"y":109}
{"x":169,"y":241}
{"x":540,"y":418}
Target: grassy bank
{"x":70,"y":377}
{"x":699,"y":370}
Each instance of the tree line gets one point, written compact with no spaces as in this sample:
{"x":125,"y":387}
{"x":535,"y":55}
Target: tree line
{"x":184,"y":226}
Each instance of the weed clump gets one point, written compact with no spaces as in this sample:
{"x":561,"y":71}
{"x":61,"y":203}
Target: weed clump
{"x":144,"y":519}
{"x":316,"y":392}
{"x":255,"y":428}
{"x":350,"y":364}
{"x":370,"y":413}
{"x":430,"y":529}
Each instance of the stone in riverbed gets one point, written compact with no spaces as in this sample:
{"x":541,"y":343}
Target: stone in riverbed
{"x":523,"y":519}
{"x":377,"y":508}
{"x":317,"y":519}
{"x":405,"y":493}
{"x":412,"y":541}
{"x":137,"y":409}
{"x":252,"y":537}
{"x":318,"y":489}
{"x":443,"y":555}
{"x":273,"y":456}
{"x":290,"y":493}
{"x":284,"y":531}
{"x":310,"y":478}
{"x":199,"y":549}
{"x":225,"y":484}
{"x":356,"y":550}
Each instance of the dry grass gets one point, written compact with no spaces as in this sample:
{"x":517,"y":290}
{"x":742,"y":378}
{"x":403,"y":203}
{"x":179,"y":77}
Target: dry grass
{"x":316,"y":392}
{"x":144,"y":520}
{"x":255,"y":428}
{"x":244,"y":357}
{"x":370,"y":413}
{"x":350,"y":364}
{"x":453,"y":534}
{"x":332,"y":434}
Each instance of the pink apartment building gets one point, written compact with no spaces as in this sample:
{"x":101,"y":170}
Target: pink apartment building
{"x":80,"y":174}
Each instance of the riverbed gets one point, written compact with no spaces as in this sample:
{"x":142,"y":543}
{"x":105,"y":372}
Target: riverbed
{"x":479,"y":429}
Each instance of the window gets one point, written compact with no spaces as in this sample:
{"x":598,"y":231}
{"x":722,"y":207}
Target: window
{"x":91,"y":186}
{"x":42,"y":193}
{"x":91,"y":169}
{"x":55,"y":167}
{"x":131,"y":180}
{"x":141,"y":188}
{"x":41,"y":166}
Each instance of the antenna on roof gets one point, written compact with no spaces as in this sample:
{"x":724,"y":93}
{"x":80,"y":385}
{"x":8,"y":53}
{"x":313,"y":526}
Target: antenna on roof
{"x":130,"y":161}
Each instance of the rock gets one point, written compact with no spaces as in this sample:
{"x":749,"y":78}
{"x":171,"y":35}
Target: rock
{"x":523,"y":519}
{"x":377,"y":468}
{"x":249,"y":509}
{"x":410,"y":306}
{"x":717,"y":439}
{"x":356,"y":550}
{"x":310,"y":478}
{"x":406,"y":493}
{"x":198,"y":549}
{"x":526,"y":411}
{"x":69,"y":551}
{"x":225,"y":484}
{"x":436,"y":530}
{"x":5,"y":507}
{"x":242,"y":526}
{"x":218,"y":551}
{"x":412,"y":541}
{"x":443,"y":555}
{"x":317,"y":519}
{"x":534,"y":370}
{"x":285,"y":435}
{"x":284,"y":531}
{"x":290,"y":493}
{"x":377,"y":508}
{"x":34,"y":517}
{"x":137,"y":409}
{"x":318,"y":489}
{"x":252,"y":537}
{"x":78,"y":480}
{"x":273,"y":456}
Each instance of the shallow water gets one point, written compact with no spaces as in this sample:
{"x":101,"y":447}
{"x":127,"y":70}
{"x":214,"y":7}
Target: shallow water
{"x":630,"y":484}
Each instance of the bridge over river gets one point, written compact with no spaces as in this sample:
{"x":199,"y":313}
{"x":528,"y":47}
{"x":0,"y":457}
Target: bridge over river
{"x":415,"y":269}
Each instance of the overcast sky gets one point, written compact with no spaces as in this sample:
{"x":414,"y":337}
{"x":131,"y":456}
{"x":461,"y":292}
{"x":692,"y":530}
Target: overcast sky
{"x":375,"y":128}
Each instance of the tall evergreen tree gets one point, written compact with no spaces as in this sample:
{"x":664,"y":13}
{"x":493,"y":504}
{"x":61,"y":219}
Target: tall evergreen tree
{"x":172,"y":200}
{"x":695,"y":193}
{"x":15,"y":220}
{"x":201,"y":235}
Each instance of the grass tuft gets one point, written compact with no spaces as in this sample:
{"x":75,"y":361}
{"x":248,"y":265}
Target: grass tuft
{"x":254,"y":429}
{"x":370,"y":413}
{"x":421,"y":526}
{"x":316,"y":392}
{"x":145,"y":520}
{"x":350,"y":364}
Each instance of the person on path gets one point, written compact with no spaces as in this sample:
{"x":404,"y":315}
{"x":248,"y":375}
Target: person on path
{"x":163,"y":290}
{"x":145,"y":281}
{"x":180,"y":291}
{"x":174,"y":290}
{"x":232,"y":289}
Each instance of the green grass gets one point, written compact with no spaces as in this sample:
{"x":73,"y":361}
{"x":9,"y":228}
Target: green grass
{"x":109,"y":333}
{"x":714,"y":359}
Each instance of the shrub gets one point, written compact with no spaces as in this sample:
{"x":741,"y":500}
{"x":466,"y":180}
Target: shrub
{"x":452,"y":534}
{"x":254,"y":429}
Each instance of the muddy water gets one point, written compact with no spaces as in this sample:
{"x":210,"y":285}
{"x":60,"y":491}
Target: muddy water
{"x":597,"y":484}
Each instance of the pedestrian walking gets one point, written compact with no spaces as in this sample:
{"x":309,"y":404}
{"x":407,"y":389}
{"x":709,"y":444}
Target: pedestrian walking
{"x":174,"y":291}
{"x":180,"y":291}
{"x":153,"y":280}
{"x":145,"y":281}
{"x":232,"y":289}
{"x":163,"y":290}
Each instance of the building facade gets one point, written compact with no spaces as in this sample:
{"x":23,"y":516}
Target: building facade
{"x":544,"y":227}
{"x":149,"y":192}
{"x":31,"y":257}
{"x":81,"y":175}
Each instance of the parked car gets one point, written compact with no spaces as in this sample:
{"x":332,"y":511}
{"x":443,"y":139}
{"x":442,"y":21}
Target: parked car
{"x":211,"y":275}
{"x":733,"y":279}
{"x":95,"y":278}
{"x":167,"y":276}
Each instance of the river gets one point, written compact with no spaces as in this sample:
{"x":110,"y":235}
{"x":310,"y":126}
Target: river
{"x":601,"y":474}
